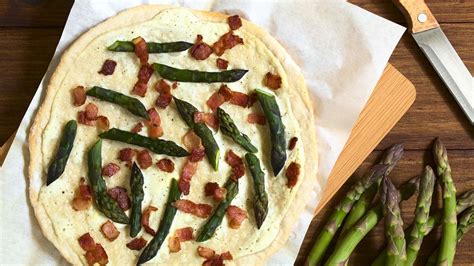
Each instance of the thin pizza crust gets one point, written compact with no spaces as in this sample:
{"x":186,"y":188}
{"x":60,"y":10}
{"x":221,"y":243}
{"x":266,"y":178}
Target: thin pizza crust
{"x":301,"y":106}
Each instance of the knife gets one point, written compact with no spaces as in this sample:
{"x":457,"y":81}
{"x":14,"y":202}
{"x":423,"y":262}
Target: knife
{"x":441,"y":54}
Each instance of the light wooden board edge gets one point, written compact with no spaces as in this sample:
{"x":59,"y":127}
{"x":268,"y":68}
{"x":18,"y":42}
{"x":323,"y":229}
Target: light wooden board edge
{"x":5,"y":147}
{"x":390,"y":100}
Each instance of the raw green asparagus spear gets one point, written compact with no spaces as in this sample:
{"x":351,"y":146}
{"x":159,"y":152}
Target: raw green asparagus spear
{"x":448,"y":236}
{"x":277,"y":129}
{"x":157,"y":146}
{"x":260,"y":201}
{"x":464,"y":201}
{"x":136,"y":187}
{"x":415,"y":236}
{"x":107,"y":205}
{"x":466,"y":223}
{"x":56,"y":168}
{"x":209,"y":228}
{"x":186,"y":111}
{"x":391,"y":157}
{"x":186,"y":75}
{"x":152,"y":248}
{"x":153,"y":47}
{"x":229,"y":129}
{"x":396,"y":249}
{"x":356,"y":233}
{"x":133,"y":105}
{"x":342,"y":208}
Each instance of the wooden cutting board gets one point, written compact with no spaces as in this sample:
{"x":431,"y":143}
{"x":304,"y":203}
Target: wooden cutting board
{"x":389,"y":101}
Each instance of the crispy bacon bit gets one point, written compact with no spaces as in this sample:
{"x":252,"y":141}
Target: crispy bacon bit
{"x":79,"y":95}
{"x":273,"y":81}
{"x":196,"y":209}
{"x":237,"y":164}
{"x":109,"y":230}
{"x":120,"y":195}
{"x":144,"y":159}
{"x":91,"y":111}
{"x":108,"y":67}
{"x":184,"y":234}
{"x":184,"y":183}
{"x":252,"y":99}
{"x":110,"y":169}
{"x":259,"y":119}
{"x":200,"y":50}
{"x":191,"y":140}
{"x":216,"y":261}
{"x":81,"y":118}
{"x":240,"y":99}
{"x":225,"y":92}
{"x":86,"y":242}
{"x":146,"y":219}
{"x":141,"y":50}
{"x":292,"y":173}
{"x":137,"y":128}
{"x":226,"y":41}
{"x":236,"y":216}
{"x":206,"y":253}
{"x":126,"y":155}
{"x":163,"y":100}
{"x":83,"y":198}
{"x":197,"y":155}
{"x":234,"y":22}
{"x":173,"y":244}
{"x":207,"y":118}
{"x":103,"y":123}
{"x":144,"y":75}
{"x":213,"y":189}
{"x":85,"y":190}
{"x":162,"y":86}
{"x":154,"y":124}
{"x":97,"y":255}
{"x":222,"y":64}
{"x":174,"y":85}
{"x":137,"y":243}
{"x":292,"y":143}
{"x":165,"y":165}
{"x":226,"y":256}
{"x":215,"y":101}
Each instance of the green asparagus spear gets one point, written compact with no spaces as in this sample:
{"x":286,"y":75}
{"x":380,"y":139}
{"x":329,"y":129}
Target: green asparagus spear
{"x":415,"y":236}
{"x":136,"y":186}
{"x":186,"y":111}
{"x":260,"y":201}
{"x":340,"y":211}
{"x":277,"y":129}
{"x":356,"y":233}
{"x":209,"y":228}
{"x":396,"y":249}
{"x":390,"y":157}
{"x":157,"y":146}
{"x":464,"y":201}
{"x":186,"y":75}
{"x":133,"y":105}
{"x":152,"y":248}
{"x":466,"y":223}
{"x":229,"y":129}
{"x":153,"y":47}
{"x":448,"y":236}
{"x":56,"y":168}
{"x":107,"y":205}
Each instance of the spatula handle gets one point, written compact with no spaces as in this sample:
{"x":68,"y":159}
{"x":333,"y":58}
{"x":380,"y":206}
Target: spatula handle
{"x":418,"y":15}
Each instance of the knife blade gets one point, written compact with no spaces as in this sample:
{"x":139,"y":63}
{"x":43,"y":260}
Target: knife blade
{"x":443,"y":57}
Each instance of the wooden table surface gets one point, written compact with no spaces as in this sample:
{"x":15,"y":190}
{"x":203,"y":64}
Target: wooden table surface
{"x":30,"y":31}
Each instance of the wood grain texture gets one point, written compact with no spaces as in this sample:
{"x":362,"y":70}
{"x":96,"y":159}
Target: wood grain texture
{"x":418,"y":15}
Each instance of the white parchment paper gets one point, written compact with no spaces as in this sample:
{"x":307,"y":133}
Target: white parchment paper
{"x":341,"y":49}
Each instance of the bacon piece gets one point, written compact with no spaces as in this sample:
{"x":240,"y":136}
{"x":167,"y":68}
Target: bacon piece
{"x":226,"y":256}
{"x":237,"y":164}
{"x":200,"y":50}
{"x":173,"y":244}
{"x":174,"y":85}
{"x":146,"y":219}
{"x":226,"y":41}
{"x":259,"y":119}
{"x":216,"y":261}
{"x":97,"y":255}
{"x":292,"y":143}
{"x":191,"y":140}
{"x":163,"y":100}
{"x":252,"y":99}
{"x":222,"y":64}
{"x":225,"y":92}
{"x":197,"y":155}
{"x":184,"y":183}
{"x":196,"y":209}
{"x":86,"y":242}
{"x":85,"y":190}
{"x":109,"y":230}
{"x":79,"y":95}
{"x":292,"y":173}
{"x":126,"y":155}
{"x":273,"y":81}
{"x":184,"y":234}
{"x":154,"y":124}
{"x":234,"y":22}
{"x":215,"y":101}
{"x":108,"y":67}
{"x":120,"y":195}
{"x":141,"y":50}
{"x":236,"y":216}
{"x":144,"y":75}
{"x":137,"y":243}
{"x":83,"y":198}
{"x":206,"y":253}
{"x":162,"y":86}
{"x":81,"y":118}
{"x":91,"y":111}
{"x":144,"y":159}
{"x":103,"y":123}
{"x":213,"y":189}
{"x":110,"y":169}
{"x":240,"y":99}
{"x":207,"y":118}
{"x":165,"y":165}
{"x":137,"y":128}
{"x":80,"y":204}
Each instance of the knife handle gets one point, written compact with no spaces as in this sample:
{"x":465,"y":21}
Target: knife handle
{"x":418,"y":15}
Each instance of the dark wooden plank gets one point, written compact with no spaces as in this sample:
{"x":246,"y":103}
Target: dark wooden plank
{"x":34,"y":13}
{"x":25,"y":55}
{"x":411,"y":164}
